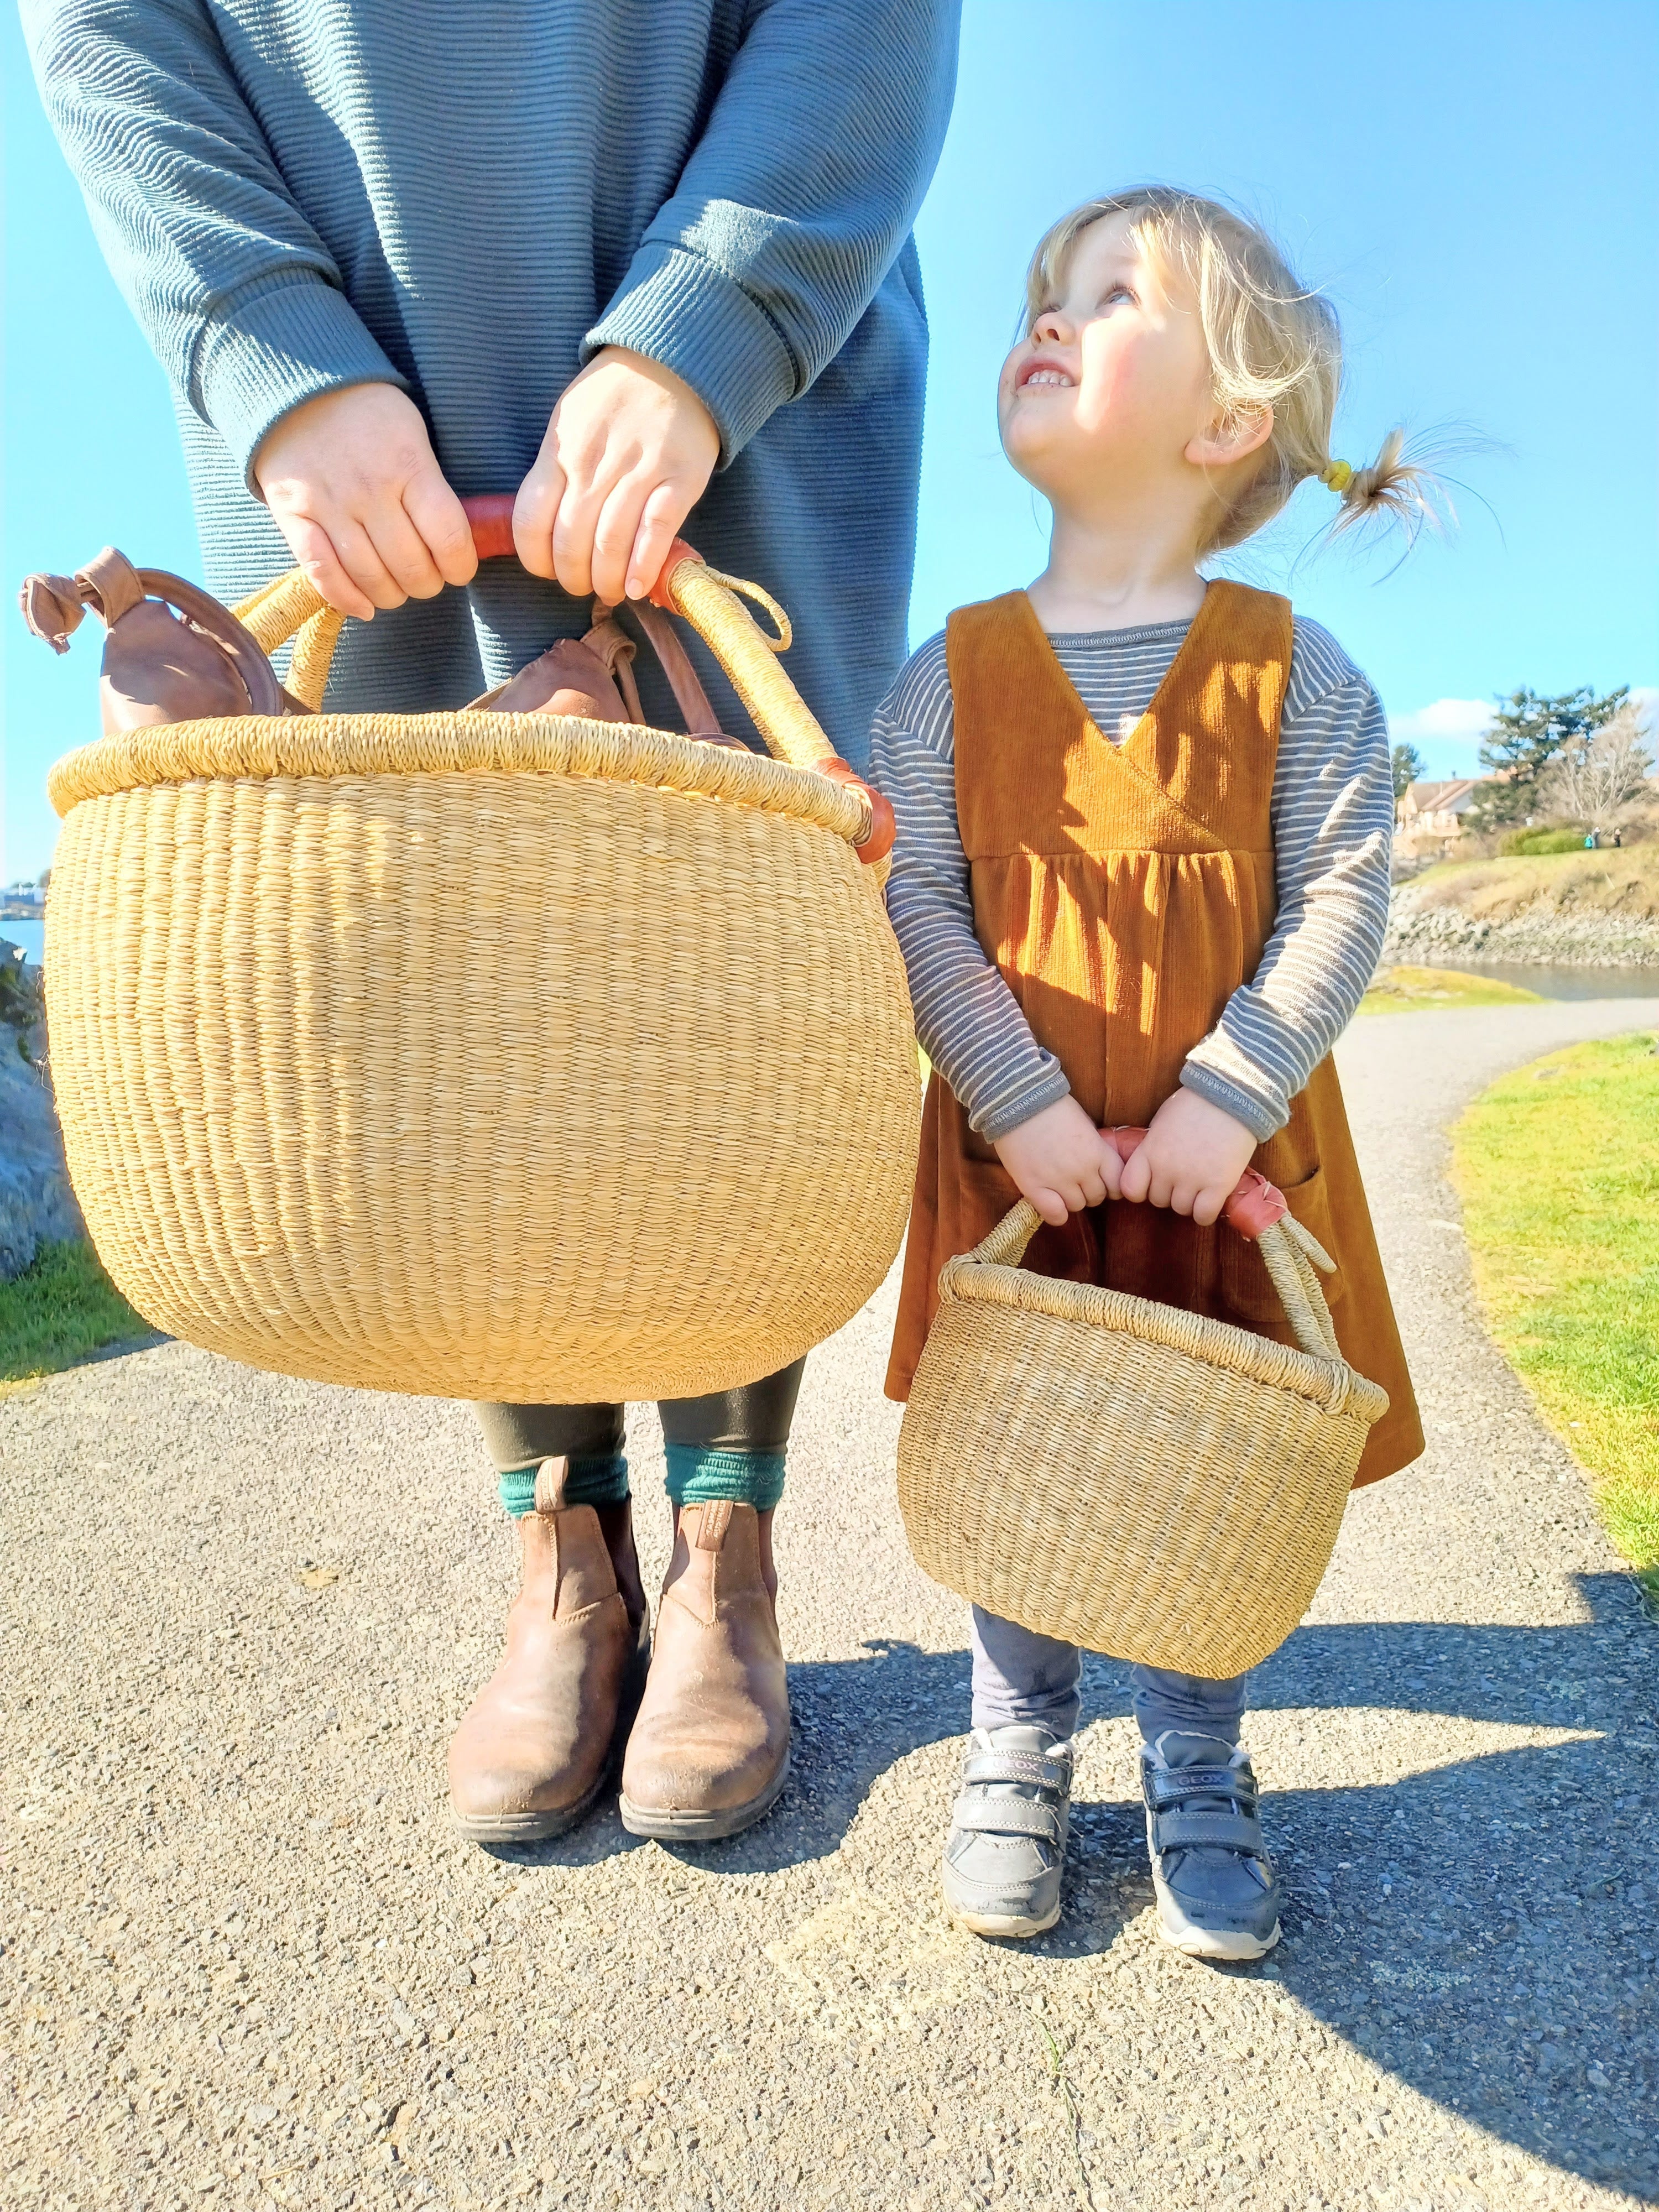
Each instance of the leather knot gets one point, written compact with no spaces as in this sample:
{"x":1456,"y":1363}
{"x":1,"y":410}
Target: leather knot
{"x":51,"y":607}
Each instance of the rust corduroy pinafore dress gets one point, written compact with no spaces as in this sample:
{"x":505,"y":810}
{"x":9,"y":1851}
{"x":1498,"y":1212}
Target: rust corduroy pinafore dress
{"x":1125,"y":891}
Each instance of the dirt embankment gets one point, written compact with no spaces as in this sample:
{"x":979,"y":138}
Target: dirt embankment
{"x":1573,"y":909}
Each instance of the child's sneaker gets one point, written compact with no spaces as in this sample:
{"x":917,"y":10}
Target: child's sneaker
{"x":1217,"y":1896}
{"x":1006,"y":1848}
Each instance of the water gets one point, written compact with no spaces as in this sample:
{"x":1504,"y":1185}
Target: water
{"x":1555,"y":982}
{"x":1549,"y":982}
{"x":31,"y":935}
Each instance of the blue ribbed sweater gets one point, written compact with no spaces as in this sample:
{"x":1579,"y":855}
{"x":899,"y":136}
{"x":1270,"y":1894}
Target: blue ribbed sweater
{"x":467,"y":201}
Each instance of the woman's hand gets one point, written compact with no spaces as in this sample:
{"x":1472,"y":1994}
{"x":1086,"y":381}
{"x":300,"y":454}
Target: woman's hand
{"x":628,"y":455}
{"x":354,"y":485}
{"x":1190,"y":1158}
{"x":1060,"y":1161}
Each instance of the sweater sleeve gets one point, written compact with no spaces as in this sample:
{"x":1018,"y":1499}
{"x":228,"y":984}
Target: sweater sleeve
{"x":1333,"y":819}
{"x":969,"y":1021}
{"x":238,"y":295}
{"x":795,"y":203}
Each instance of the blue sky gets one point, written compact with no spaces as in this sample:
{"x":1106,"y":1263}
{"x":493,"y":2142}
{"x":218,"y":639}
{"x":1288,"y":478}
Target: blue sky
{"x":1475,"y":186}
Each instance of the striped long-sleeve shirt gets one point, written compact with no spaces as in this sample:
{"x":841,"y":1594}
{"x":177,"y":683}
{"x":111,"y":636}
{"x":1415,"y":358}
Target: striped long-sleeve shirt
{"x":1333,"y":820}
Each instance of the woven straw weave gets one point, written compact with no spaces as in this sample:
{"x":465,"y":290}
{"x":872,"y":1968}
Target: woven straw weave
{"x":492,"y":1056}
{"x":1126,"y":1476}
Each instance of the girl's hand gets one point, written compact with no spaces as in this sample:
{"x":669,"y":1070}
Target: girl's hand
{"x":1190,"y":1159}
{"x":628,"y":455}
{"x":1060,"y":1161}
{"x":354,"y":485}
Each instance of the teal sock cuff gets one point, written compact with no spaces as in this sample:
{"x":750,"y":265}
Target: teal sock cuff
{"x":600,"y":1480}
{"x":698,"y":1476}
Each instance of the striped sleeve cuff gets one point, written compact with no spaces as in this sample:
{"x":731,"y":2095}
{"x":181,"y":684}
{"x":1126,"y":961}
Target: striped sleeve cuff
{"x":1262,"y":1116}
{"x":1047,"y":1088}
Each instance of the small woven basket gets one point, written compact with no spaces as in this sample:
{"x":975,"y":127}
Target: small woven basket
{"x":1129,"y":1477}
{"x":492,"y":1055}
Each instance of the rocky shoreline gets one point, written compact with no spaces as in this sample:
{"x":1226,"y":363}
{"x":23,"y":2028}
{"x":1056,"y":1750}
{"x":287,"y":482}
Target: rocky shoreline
{"x":36,"y":1206}
{"x":1540,"y":936}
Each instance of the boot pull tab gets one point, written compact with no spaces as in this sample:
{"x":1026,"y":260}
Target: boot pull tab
{"x":713,"y":1521}
{"x":551,"y":1478}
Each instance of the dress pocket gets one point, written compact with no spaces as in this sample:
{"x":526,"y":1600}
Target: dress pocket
{"x":1244,"y":1285}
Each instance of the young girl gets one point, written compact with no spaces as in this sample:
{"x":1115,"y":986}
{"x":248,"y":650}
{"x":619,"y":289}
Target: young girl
{"x":1141,"y":879}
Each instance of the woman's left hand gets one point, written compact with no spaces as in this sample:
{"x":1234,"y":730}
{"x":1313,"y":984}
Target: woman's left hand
{"x":1190,"y":1159}
{"x":627,"y":456}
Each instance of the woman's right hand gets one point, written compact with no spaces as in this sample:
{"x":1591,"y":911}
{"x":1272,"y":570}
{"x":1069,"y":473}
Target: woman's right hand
{"x":1060,"y":1161}
{"x":354,"y":485}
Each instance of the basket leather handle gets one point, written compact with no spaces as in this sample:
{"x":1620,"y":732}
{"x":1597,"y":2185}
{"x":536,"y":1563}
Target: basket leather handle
{"x":712,"y":604}
{"x":1260,"y":1213}
{"x":292,"y":607}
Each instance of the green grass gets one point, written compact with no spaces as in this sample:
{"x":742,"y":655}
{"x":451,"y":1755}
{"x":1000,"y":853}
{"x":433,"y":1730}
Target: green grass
{"x":1558,"y":1168}
{"x":1544,"y":840}
{"x":60,"y":1311}
{"x":1408,"y":990}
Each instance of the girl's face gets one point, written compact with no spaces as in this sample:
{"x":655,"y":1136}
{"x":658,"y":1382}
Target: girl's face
{"x":1113,"y":383}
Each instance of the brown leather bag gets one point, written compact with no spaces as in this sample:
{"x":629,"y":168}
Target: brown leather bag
{"x":594,"y":675}
{"x":200,"y":663}
{"x":160,"y":665}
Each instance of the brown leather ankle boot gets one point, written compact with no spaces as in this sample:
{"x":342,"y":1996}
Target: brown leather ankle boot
{"x":532,"y":1752}
{"x":709,"y":1751}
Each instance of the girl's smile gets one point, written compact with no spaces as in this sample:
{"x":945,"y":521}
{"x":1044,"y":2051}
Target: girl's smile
{"x":1046,"y":375}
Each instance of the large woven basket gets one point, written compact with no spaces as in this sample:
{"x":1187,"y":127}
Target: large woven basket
{"x":1129,"y":1477}
{"x":488,"y":1056}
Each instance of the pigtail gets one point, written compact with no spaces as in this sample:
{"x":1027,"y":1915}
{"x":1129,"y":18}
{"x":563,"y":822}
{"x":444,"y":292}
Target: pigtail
{"x":1390,"y":489}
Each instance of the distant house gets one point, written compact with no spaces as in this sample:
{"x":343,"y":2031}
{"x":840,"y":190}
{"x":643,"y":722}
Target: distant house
{"x":1429,"y":820}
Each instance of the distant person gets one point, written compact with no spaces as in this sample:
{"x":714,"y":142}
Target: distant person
{"x":1593,"y":841}
{"x":638,"y":264}
{"x":1166,"y":803}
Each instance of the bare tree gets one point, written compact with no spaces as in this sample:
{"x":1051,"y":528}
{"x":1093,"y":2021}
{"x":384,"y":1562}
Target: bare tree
{"x":1595,"y":776}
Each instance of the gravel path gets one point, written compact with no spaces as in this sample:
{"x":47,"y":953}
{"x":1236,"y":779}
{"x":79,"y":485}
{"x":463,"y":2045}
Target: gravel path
{"x":246,"y":1962}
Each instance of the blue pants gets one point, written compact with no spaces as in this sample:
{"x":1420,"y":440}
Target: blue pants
{"x":1020,"y":1677}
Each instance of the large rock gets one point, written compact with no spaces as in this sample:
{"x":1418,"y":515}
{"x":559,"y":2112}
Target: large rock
{"x":36,"y":1206}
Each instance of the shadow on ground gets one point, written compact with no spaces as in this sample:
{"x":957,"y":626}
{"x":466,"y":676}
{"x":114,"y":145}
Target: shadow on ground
{"x":1483,"y":1930}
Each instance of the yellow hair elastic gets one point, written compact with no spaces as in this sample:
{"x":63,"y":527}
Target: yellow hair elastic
{"x":1337,"y":476}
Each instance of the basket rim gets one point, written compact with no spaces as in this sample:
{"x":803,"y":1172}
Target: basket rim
{"x":1331,"y":1383}
{"x":267,"y":748}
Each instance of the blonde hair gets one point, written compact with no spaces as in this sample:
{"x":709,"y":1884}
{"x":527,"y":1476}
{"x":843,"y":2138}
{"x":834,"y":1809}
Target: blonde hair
{"x":1272,"y":342}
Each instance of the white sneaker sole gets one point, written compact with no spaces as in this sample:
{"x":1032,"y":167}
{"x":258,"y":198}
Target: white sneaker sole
{"x":1231,"y":1946}
{"x":1002,"y":1923}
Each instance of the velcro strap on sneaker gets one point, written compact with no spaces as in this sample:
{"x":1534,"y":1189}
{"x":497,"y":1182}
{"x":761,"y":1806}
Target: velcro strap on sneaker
{"x":1174,"y":1785}
{"x":982,"y":1816}
{"x":1232,"y":1831}
{"x":1031,"y":1767}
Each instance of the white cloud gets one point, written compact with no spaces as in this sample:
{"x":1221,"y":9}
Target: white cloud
{"x":1454,"y":719}
{"x":1448,"y":735}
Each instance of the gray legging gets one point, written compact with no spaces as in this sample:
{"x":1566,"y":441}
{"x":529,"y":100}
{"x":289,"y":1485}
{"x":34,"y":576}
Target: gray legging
{"x":1020,"y":1677}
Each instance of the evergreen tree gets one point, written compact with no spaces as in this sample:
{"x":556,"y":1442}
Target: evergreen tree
{"x":1408,"y":765}
{"x":1527,"y":730}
